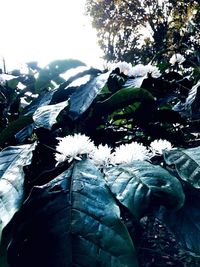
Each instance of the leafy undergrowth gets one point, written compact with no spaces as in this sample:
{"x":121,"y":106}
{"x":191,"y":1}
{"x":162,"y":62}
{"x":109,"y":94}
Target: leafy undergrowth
{"x":157,"y":247}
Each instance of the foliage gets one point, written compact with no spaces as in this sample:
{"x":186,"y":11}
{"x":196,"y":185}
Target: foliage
{"x":141,"y":31}
{"x":69,"y":200}
{"x":12,"y":161}
{"x":81,"y":213}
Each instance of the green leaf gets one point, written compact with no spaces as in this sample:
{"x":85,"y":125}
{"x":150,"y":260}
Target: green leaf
{"x":187,"y":164}
{"x":52,"y":71}
{"x":83,"y":96}
{"x":140,"y":184}
{"x":14,"y":127}
{"x":13,"y":83}
{"x":71,"y":221}
{"x":45,"y":116}
{"x":122,"y":98}
{"x":12,"y":161}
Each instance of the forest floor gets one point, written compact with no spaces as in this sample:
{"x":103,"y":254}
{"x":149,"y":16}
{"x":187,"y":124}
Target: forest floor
{"x":158,"y":247}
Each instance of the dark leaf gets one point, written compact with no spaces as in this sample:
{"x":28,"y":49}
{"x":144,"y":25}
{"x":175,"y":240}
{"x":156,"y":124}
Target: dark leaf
{"x":14,"y":127}
{"x":83,"y":96}
{"x":38,"y":102}
{"x":65,"y":90}
{"x":12,"y":161}
{"x":45,"y":116}
{"x":167,"y":116}
{"x":116,"y":80}
{"x":72,"y":221}
{"x":187,"y":164}
{"x":122,"y":98}
{"x":172,"y":75}
{"x":24,"y":133}
{"x":140,"y":184}
{"x":33,"y":65}
{"x":52,"y":71}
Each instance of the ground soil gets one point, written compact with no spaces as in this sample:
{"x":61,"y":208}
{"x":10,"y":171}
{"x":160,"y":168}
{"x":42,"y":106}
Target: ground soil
{"x":158,"y":247}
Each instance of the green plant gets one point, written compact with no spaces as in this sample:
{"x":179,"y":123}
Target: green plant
{"x":77,"y":212}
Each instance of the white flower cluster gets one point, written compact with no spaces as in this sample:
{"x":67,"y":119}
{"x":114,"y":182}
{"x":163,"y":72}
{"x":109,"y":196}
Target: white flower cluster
{"x":74,"y":147}
{"x":129,"y":152}
{"x":139,"y":70}
{"x":124,"y":67}
{"x":177,"y":58}
{"x":101,"y":155}
{"x":157,"y":146}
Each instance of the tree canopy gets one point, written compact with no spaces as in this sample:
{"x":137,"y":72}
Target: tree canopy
{"x":138,"y":31}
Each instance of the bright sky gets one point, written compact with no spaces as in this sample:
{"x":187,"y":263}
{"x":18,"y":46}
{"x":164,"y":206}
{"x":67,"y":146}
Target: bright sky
{"x":46,"y":30}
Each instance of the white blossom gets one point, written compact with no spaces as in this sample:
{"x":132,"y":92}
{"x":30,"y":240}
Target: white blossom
{"x":176,"y":58}
{"x":101,"y":156}
{"x":153,"y":70}
{"x":157,"y":146}
{"x":125,"y":68}
{"x":141,"y":70}
{"x":129,"y":152}
{"x":73,"y":147}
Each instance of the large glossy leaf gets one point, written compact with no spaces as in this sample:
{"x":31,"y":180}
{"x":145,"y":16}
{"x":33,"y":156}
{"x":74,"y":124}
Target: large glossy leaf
{"x":24,"y":133}
{"x":185,"y":223}
{"x":187,"y":164}
{"x":83,"y":97}
{"x":122,"y":98}
{"x":139,"y":185}
{"x":192,"y":101}
{"x":41,"y":100}
{"x":71,"y":221}
{"x":12,"y":161}
{"x":45,"y":116}
{"x":65,"y":90}
{"x":190,"y":108}
{"x":52,"y":71}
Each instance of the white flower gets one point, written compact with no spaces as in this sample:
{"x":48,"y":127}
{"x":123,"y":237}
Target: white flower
{"x":101,"y":156}
{"x":141,"y":70}
{"x":73,"y":147}
{"x":153,"y":70}
{"x":124,"y":67}
{"x":129,"y":152}
{"x":157,"y":146}
{"x":177,"y":58}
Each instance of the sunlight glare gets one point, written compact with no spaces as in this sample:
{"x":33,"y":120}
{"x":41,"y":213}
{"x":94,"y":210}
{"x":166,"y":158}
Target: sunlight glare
{"x":43,"y":31}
